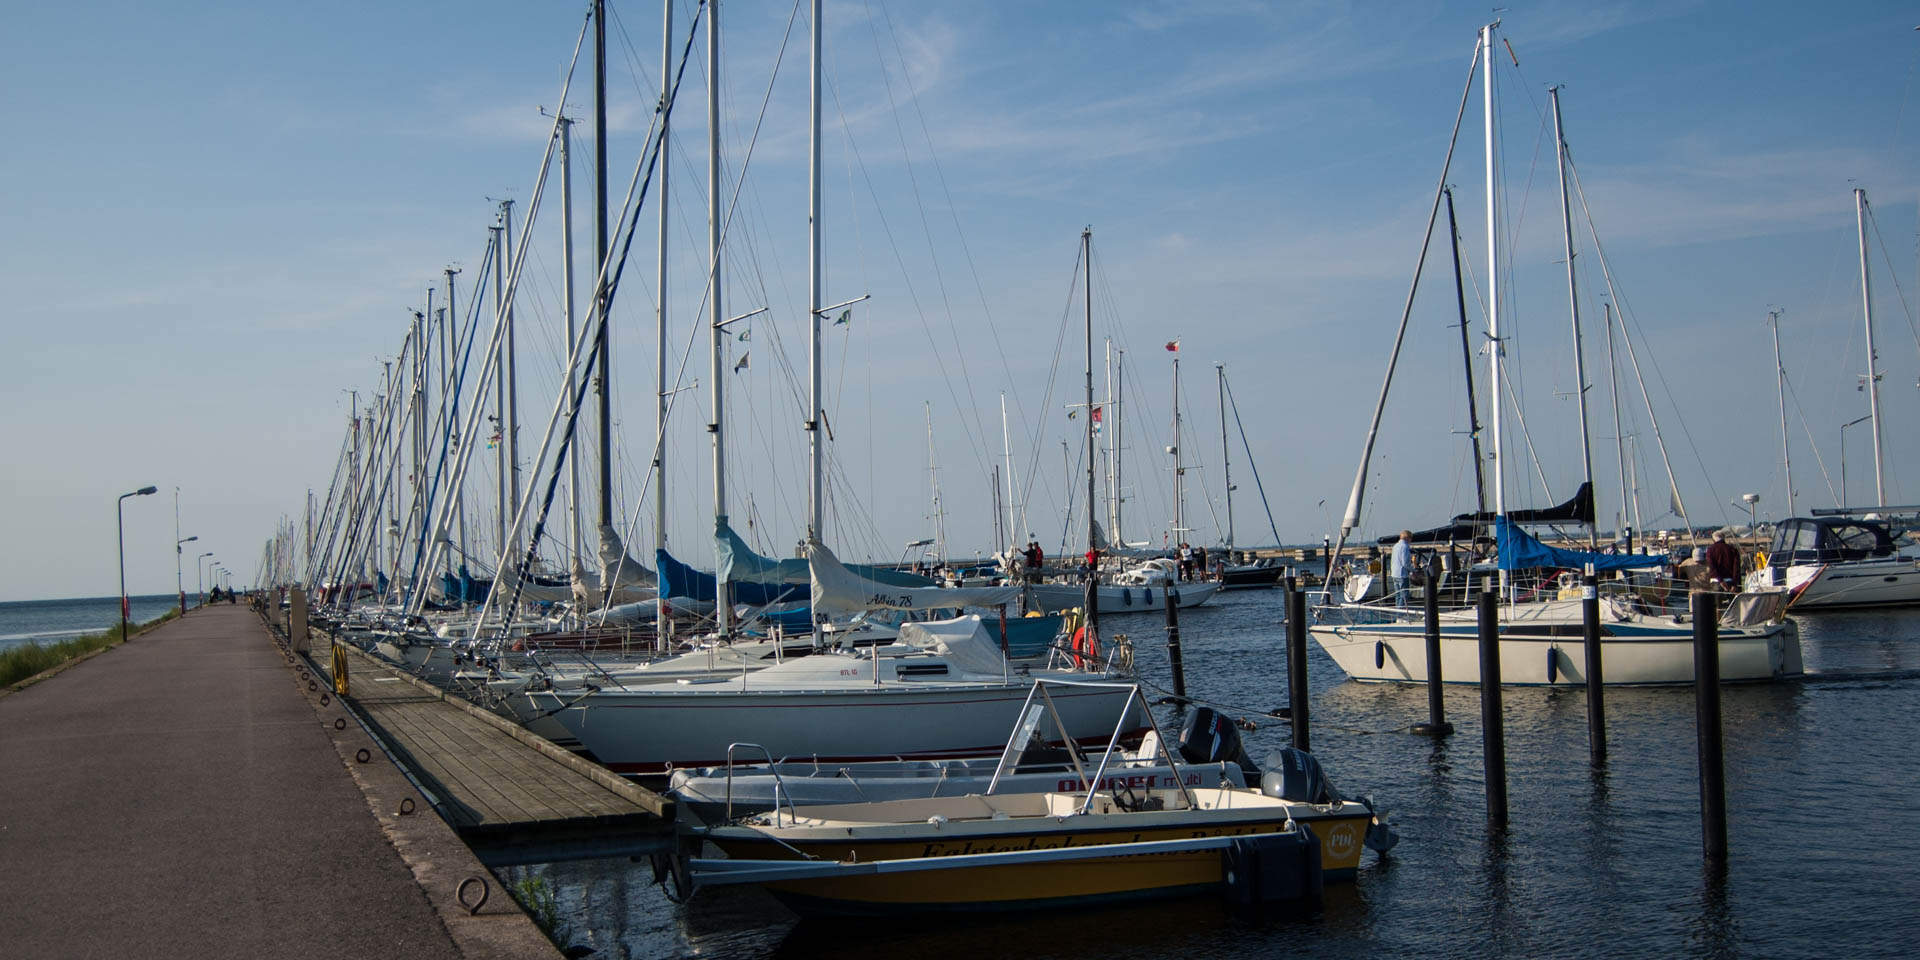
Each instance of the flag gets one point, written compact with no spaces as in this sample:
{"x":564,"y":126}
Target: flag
{"x":746,"y":335}
{"x":1173,"y":346}
{"x":844,"y":314}
{"x":1096,"y":420}
{"x":742,"y":365}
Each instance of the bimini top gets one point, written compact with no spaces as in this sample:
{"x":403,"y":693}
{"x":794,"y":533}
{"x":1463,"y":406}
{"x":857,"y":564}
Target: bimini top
{"x":1829,"y":539}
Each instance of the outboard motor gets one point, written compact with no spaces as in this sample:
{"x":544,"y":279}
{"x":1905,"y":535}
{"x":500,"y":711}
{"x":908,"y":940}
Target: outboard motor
{"x":1296,"y":775}
{"x":1209,"y":736}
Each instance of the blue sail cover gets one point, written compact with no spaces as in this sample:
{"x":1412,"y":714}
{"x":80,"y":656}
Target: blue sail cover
{"x":739,"y":564}
{"x":679,"y":580}
{"x":1520,"y":551}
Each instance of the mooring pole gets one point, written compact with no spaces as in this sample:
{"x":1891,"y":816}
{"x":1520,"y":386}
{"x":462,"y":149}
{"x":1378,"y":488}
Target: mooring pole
{"x":1173,"y":645}
{"x":1596,"y":679}
{"x":1297,"y":664}
{"x":1492,"y":733}
{"x":1706,"y":708}
{"x":1436,"y":725}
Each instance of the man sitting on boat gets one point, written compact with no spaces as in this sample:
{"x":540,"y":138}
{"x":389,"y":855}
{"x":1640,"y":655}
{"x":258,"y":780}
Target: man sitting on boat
{"x":1723,"y":560}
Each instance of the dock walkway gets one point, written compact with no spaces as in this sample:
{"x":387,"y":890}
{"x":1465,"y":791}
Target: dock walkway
{"x":179,"y":796}
{"x":513,"y":796}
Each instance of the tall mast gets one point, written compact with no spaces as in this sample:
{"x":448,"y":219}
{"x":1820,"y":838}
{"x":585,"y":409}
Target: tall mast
{"x":662,"y":622}
{"x":1113,"y":453}
{"x":601,"y":384}
{"x":500,"y":396}
{"x":1493,"y":271}
{"x":1873,"y":373}
{"x":816,"y":477}
{"x":1573,"y":302}
{"x":1226,"y":462}
{"x":1006,"y":453}
{"x":1619,"y":439}
{"x":933,"y":483}
{"x":1179,"y":472}
{"x":511,"y":433}
{"x":1093,"y":575}
{"x":1466,"y":358}
{"x":453,"y":417}
{"x":566,"y":297}
{"x":1780,"y":380}
{"x":1116,"y":415}
{"x":715,"y":344}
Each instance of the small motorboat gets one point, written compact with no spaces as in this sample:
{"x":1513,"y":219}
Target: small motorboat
{"x":1000,"y":850}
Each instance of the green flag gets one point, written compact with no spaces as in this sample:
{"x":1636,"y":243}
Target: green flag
{"x":844,"y":314}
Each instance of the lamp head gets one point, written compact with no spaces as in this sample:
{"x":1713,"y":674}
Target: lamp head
{"x":145,"y":491}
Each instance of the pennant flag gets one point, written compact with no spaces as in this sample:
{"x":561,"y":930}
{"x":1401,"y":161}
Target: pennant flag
{"x":742,"y":365}
{"x":746,"y":335}
{"x":1173,"y":346}
{"x":1072,"y":414}
{"x":844,"y":314}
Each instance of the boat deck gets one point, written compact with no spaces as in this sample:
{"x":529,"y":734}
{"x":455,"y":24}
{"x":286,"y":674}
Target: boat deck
{"x":510,"y":794}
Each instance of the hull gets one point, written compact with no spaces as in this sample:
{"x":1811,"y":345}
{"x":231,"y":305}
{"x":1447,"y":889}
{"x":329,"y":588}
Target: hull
{"x":654,"y":731}
{"x":1053,"y":597}
{"x":1894,"y":581}
{"x":1555,"y":654}
{"x":1251,"y":577}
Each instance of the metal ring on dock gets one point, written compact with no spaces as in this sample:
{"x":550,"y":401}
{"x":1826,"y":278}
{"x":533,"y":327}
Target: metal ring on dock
{"x":406,"y":806}
{"x":460,"y":893}
{"x":363,"y":756}
{"x":339,"y":723}
{"x":312,"y":685}
{"x":325,"y":699}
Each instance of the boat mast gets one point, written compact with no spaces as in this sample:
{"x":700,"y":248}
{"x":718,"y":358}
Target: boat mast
{"x":723,"y":612}
{"x":566,"y":298}
{"x":816,"y":478}
{"x":662,"y":620}
{"x":1119,"y":462}
{"x":1780,"y":380}
{"x":1619,"y":439}
{"x":1093,"y":572}
{"x":1113,"y":453}
{"x":1466,"y":358}
{"x":1573,"y":302}
{"x":933,"y":482}
{"x":1006,"y":453}
{"x":1495,"y":350}
{"x":1873,"y":373}
{"x":453,"y":419}
{"x":510,"y":433}
{"x":1179,"y":472}
{"x":1226,"y":461}
{"x":601,"y":383}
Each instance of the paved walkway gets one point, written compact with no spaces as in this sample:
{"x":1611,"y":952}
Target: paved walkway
{"x":184,"y":796}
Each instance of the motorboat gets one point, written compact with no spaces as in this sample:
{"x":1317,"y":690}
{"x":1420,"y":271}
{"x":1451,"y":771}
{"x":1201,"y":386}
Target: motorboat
{"x":1837,"y":562}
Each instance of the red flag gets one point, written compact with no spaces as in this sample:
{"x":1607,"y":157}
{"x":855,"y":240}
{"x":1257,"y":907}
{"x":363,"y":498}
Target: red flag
{"x":1096,"y":414}
{"x":1173,"y":346}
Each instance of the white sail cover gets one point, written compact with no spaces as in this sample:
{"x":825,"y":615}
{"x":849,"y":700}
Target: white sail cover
{"x":964,"y":641}
{"x":837,"y":590}
{"x":617,"y":567}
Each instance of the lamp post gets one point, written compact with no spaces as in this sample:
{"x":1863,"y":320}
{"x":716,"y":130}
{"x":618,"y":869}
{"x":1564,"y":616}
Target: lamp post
{"x":120,"y":525}
{"x":1843,"y":456}
{"x":179,"y":584}
{"x":199,"y":579}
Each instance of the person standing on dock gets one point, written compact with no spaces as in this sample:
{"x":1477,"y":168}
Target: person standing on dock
{"x":1402,"y":563}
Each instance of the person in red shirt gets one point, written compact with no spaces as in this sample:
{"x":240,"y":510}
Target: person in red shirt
{"x":1723,"y":561}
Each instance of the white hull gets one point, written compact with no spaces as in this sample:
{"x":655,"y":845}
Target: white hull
{"x":1054,"y":597}
{"x":825,"y":706}
{"x":1389,"y":653}
{"x":1893,"y":581}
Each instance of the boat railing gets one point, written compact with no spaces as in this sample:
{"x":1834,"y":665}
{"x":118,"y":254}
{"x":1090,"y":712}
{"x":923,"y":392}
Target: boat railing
{"x":779,"y":785}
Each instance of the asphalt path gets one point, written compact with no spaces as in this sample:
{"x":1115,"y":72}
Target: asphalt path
{"x":183,"y":795}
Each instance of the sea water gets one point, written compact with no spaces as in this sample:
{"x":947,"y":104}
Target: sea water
{"x":22,"y":621}
{"x":1821,"y":813}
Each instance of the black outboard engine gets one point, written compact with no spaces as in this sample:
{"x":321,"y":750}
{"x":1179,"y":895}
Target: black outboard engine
{"x":1209,"y":736}
{"x":1296,"y":775}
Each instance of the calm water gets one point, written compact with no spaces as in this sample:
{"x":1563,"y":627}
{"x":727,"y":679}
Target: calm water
{"x":25,"y":620}
{"x":1821,"y":818}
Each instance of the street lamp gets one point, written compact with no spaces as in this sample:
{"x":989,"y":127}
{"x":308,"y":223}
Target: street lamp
{"x":120,"y":525}
{"x":199,"y":580}
{"x":178,"y":584}
{"x":1843,"y":456}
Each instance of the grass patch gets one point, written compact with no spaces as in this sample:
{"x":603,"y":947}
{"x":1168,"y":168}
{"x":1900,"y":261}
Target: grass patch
{"x":23,"y":661}
{"x":542,"y":903}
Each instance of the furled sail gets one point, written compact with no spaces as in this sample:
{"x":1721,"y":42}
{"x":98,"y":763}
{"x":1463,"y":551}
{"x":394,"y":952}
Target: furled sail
{"x":838,"y":590}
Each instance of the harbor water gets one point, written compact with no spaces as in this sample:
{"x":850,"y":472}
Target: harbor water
{"x":1821,"y":810}
{"x":23,"y":621}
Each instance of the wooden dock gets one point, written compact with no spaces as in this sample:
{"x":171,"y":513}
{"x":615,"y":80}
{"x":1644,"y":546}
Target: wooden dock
{"x":513,"y":796}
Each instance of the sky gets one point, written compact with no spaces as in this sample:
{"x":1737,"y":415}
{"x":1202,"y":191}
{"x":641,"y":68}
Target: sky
{"x":219,"y":220}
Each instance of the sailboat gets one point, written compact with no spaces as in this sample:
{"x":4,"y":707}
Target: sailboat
{"x":1539,"y":639}
{"x":1847,"y":556}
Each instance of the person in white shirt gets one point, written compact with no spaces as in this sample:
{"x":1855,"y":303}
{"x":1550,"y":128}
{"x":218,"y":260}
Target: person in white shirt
{"x":1401,"y":566}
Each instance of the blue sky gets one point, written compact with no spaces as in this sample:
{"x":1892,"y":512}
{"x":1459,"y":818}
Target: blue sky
{"x":218,"y":221}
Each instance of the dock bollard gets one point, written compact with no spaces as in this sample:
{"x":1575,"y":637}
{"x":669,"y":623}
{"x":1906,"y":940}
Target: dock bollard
{"x":1436,"y":724}
{"x":1173,"y":645}
{"x":1596,"y":679}
{"x":1492,"y":731}
{"x":1706,"y":708}
{"x":1297,"y":664}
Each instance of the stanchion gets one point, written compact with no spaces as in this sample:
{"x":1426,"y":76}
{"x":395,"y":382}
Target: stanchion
{"x":1173,"y":646}
{"x":1297,"y":664}
{"x":1492,"y":729}
{"x":339,"y":670}
{"x":1436,"y":725}
{"x":1706,"y":708}
{"x":1596,"y":679}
